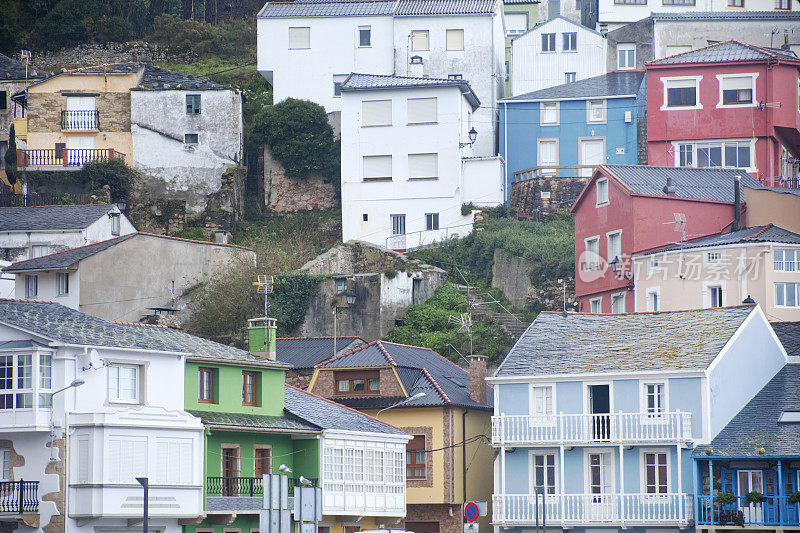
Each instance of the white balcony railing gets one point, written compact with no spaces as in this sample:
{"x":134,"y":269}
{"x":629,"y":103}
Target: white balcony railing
{"x":610,"y":509}
{"x":520,"y":430}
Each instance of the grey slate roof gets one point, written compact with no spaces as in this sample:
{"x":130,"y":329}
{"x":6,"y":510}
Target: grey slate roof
{"x":617,"y":83}
{"x":399,"y":8}
{"x":11,"y":69}
{"x":51,"y":217}
{"x":727,"y":15}
{"x":726,"y":51}
{"x":585,"y":343}
{"x":64,"y":258}
{"x":305,"y":352}
{"x":287,"y":422}
{"x":694,"y":183}
{"x":756,"y":425}
{"x":781,"y":190}
{"x":445,"y":7}
{"x":367,"y":82}
{"x":789,"y":335}
{"x":755,"y":234}
{"x":419,"y":370}
{"x":331,"y":415}
{"x":159,"y":79}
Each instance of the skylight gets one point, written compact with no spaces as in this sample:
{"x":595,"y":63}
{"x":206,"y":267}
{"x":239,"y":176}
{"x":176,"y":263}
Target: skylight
{"x":789,"y":417}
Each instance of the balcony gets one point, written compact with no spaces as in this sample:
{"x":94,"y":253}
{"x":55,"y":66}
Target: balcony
{"x":240,"y":493}
{"x":587,"y":429}
{"x":84,"y":120}
{"x":67,"y":158}
{"x":595,"y":509}
{"x":19,"y":497}
{"x":773,"y":511}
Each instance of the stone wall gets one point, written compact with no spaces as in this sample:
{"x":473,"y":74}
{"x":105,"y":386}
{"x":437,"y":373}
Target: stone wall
{"x":98,"y":54}
{"x":44,"y":112}
{"x":325,"y":385}
{"x":538,"y":197}
{"x":435,"y":513}
{"x":641,"y":136}
{"x":283,"y":194}
{"x":511,"y":274}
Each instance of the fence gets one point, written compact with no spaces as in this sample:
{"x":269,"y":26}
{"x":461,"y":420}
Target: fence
{"x":19,"y":497}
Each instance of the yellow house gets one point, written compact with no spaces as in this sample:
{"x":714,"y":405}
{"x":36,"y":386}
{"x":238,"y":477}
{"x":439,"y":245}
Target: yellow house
{"x":447,"y":410}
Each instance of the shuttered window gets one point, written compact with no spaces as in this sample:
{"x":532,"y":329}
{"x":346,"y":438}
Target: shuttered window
{"x":83,"y":460}
{"x":737,"y":90}
{"x":299,"y":38}
{"x":455,"y":39}
{"x":548,"y":153}
{"x":377,"y":167}
{"x":423,"y":166}
{"x":174,"y":462}
{"x":420,"y":40}
{"x":376,"y":113}
{"x":422,"y":110}
{"x":126,"y":459}
{"x":549,"y":113}
{"x":516,"y":23}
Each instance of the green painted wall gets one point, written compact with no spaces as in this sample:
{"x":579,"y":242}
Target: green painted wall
{"x":245,"y":523}
{"x":532,"y":11}
{"x":228,"y":390}
{"x":307,"y":458}
{"x":282,"y":450}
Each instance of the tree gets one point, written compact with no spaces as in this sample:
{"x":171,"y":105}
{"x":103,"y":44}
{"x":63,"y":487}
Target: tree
{"x":11,"y":157}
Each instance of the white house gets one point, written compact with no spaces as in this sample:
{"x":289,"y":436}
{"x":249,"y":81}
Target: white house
{"x":556,"y":52}
{"x":93,"y":405}
{"x":435,"y":38}
{"x":408,"y":164}
{"x":28,"y":232}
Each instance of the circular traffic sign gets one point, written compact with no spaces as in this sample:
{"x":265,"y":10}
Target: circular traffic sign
{"x":471,"y":511}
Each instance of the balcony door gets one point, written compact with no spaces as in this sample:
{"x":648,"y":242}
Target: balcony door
{"x":602,"y":506}
{"x":789,"y":510}
{"x":398,"y":239}
{"x":230,"y":471}
{"x":80,"y":115}
{"x":80,"y":149}
{"x":600,"y":409}
{"x":592,"y":152}
{"x":763,"y":481}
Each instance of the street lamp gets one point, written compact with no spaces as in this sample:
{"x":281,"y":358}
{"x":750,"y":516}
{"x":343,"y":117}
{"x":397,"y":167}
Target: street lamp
{"x":77,"y":382}
{"x":472,"y":136}
{"x":350,"y":298}
{"x":417,"y":396}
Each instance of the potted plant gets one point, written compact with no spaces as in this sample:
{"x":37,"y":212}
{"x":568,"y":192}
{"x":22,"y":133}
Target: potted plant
{"x":794,"y":497}
{"x":727,"y":500}
{"x":754,"y":497}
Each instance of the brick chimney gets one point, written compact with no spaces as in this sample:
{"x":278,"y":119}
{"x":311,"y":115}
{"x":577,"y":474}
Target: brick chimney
{"x":477,"y":378}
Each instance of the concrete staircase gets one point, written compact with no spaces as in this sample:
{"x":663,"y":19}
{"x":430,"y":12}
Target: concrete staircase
{"x":480,"y":307}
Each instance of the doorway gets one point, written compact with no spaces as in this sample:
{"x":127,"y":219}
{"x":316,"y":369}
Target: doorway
{"x":592,"y":152}
{"x":601,"y":485}
{"x":230,"y":471}
{"x":600,"y":410}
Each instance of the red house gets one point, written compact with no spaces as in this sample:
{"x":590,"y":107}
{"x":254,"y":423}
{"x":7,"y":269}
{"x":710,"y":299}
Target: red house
{"x":728,"y":105}
{"x":626,"y":209}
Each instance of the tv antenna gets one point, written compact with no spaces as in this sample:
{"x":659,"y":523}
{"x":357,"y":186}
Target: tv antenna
{"x":465,"y":321}
{"x":680,"y":224}
{"x":265,"y":285}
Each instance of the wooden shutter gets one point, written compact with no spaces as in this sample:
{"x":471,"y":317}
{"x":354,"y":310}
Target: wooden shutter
{"x":423,"y":165}
{"x":419,"y":40}
{"x":376,"y":113}
{"x":83,"y":460}
{"x":377,"y":166}
{"x":299,"y":38}
{"x":455,"y":39}
{"x":422,"y":110}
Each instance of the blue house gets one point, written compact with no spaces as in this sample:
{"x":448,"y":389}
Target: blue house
{"x":757,"y":452}
{"x":595,"y":416}
{"x":580,"y":124}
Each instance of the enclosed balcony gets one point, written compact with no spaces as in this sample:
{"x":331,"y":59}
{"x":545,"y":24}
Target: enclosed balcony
{"x":63,"y":158}
{"x":586,"y":429}
{"x":569,"y":510}
{"x":80,"y":120}
{"x":19,"y":497}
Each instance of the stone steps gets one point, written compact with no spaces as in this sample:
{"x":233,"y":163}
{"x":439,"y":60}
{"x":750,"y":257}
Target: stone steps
{"x":509,"y":323}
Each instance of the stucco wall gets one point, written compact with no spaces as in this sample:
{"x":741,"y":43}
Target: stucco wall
{"x":770,"y":207}
{"x":641,"y":33}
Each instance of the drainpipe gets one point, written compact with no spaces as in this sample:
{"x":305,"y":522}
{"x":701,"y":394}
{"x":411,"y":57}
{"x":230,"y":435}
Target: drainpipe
{"x":506,"y":187}
{"x":737,"y":205}
{"x":464,"y":453}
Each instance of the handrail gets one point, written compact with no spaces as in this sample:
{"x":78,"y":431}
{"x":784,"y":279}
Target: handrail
{"x":543,"y":171}
{"x":80,"y":120}
{"x":19,"y":496}
{"x":237,"y":486}
{"x":403,"y":237}
{"x":67,"y":157}
{"x":772,"y":511}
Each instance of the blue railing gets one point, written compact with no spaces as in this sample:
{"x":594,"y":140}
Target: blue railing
{"x":772,"y":511}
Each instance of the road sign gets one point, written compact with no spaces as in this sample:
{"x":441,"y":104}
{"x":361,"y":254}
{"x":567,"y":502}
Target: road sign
{"x":471,"y":511}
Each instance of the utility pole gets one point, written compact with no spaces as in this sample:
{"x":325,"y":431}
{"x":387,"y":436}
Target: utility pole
{"x":143,"y":481}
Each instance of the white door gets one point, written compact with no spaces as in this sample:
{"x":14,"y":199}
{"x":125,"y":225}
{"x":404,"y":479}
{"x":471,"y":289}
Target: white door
{"x":592,"y":153}
{"x":602,"y":505}
{"x":80,"y":114}
{"x":750,"y":481}
{"x":398,"y":238}
{"x":80,"y":149}
{"x":548,"y":157}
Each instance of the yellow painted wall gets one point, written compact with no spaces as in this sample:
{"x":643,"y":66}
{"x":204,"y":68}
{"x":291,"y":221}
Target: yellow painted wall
{"x":765,"y":207}
{"x":337,"y":523}
{"x":480,"y":463}
{"x":120,"y":83}
{"x":120,"y":141}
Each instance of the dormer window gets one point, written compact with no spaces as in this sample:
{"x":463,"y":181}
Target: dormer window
{"x":358,"y":382}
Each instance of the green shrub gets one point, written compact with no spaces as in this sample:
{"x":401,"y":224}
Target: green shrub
{"x":91,"y":178}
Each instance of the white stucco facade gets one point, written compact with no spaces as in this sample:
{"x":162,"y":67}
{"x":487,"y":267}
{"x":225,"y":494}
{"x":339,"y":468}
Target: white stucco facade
{"x":614,"y":14}
{"x":538,"y":67}
{"x":368,"y":204}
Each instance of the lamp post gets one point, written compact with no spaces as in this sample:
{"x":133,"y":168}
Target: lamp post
{"x":415,"y":397}
{"x":77,"y":382}
{"x":350,"y":299}
{"x":145,"y":483}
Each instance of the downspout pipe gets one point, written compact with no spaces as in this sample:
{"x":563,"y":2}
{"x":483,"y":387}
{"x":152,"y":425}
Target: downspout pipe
{"x":737,"y":205}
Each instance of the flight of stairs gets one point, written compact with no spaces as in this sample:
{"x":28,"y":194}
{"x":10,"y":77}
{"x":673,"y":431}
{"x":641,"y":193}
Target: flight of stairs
{"x":479,"y":307}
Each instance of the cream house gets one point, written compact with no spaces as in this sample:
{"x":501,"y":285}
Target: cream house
{"x":760,"y":262}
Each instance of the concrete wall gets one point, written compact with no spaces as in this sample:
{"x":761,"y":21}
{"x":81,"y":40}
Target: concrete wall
{"x":173,"y":168}
{"x":511,"y":274}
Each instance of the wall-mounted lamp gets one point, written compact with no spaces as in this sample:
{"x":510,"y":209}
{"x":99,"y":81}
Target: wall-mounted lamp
{"x":472,"y":136}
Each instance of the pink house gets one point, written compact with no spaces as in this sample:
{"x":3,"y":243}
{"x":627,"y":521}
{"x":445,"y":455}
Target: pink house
{"x":626,"y":209}
{"x":728,"y":105}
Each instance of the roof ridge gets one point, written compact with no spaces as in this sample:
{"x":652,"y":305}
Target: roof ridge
{"x":336,"y":403}
{"x":586,"y":313}
{"x":430,"y":350}
{"x":194,"y":240}
{"x":71,"y":249}
{"x":335,"y":357}
{"x":436,"y":385}
{"x":319,"y":337}
{"x":385,"y":352}
{"x":140,"y":324}
{"x":53,"y":205}
{"x":29,"y":301}
{"x":759,"y":232}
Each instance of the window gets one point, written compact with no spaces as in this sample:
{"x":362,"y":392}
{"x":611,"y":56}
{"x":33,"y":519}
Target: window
{"x":652,"y":299}
{"x":6,"y":381}
{"x":547,"y":155}
{"x":3,"y":100}
{"x":31,"y":286}
{"x":173,"y":464}
{"x":45,"y":379}
{"x":420,"y":40}
{"x":114,"y":218}
{"x":655,"y":473}
{"x":686,"y":153}
{"x":544,"y":472}
{"x":455,"y":76}
{"x":631,"y":2}
{"x":542,"y":400}
{"x":677,"y":3}
{"x":205,"y":386}
{"x":364,"y":217}
{"x":422,"y":110}
{"x":570,"y":41}
{"x":596,"y":306}
{"x":299,"y":38}
{"x":516,"y":23}
{"x":16,"y":389}
{"x":713,"y":258}
{"x":601,"y":192}
{"x":735,"y":3}
{"x":782,"y":4}
{"x":548,"y":42}
{"x":125,"y":458}
{"x":596,"y":111}
{"x":60,"y":147}
{"x":626,"y":56}
{"x":570,"y":77}
{"x":63,"y":283}
{"x":787,"y":295}
{"x":736,"y":90}
{"x":681,"y":92}
{"x":364,"y":36}
{"x":415,"y":458}
{"x":548,"y":113}
{"x":455,"y":40}
{"x":358,"y":382}
{"x":715,"y":296}
{"x":398,"y":224}
{"x":618,"y":303}
{"x":192,"y":104}
{"x":24,"y":381}
{"x":655,"y":399}
{"x":786,"y":260}
{"x":341,"y":285}
{"x":262,"y":461}
{"x":377,"y":167}
{"x":5,"y":464}
{"x":715,"y":154}
{"x":123,"y":383}
{"x":614,"y":246}
{"x":431,"y":221}
{"x":376,"y":113}
{"x":39,"y":250}
{"x":191,"y":138}
{"x":338,"y":79}
{"x":592,"y":260}
{"x":423,"y":166}
{"x":249,"y":388}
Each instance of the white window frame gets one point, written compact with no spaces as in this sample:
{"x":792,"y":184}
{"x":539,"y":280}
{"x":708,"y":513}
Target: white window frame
{"x":567,"y":77}
{"x":655,"y":415}
{"x":518,"y":13}
{"x":587,"y":472}
{"x":542,"y":113}
{"x":795,"y":262}
{"x":138,"y":395}
{"x":613,"y":297}
{"x":532,"y":398}
{"x":115,"y":219}
{"x":586,"y":250}
{"x":555,"y":44}
{"x":63,"y":283}
{"x":597,"y":182}
{"x":676,"y":148}
{"x":358,"y":34}
{"x":289,"y":31}
{"x":626,"y":47}
{"x":599,"y":302}
{"x":31,"y":285}
{"x":752,"y":75}
{"x":648,"y":301}
{"x":5,"y":464}
{"x":665,"y":85}
{"x":707,"y":286}
{"x":36,"y":250}
{"x":796,"y":294}
{"x":603,"y":105}
{"x":412,"y":43}
{"x":574,"y":42}
{"x":539,"y":153}
{"x":608,"y":245}
{"x":447,"y":40}
{"x":714,"y":257}
{"x":643,"y":472}
{"x":532,"y":470}
{"x":338,"y":78}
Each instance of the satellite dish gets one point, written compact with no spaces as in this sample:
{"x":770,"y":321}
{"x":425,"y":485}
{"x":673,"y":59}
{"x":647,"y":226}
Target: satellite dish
{"x":94,"y":359}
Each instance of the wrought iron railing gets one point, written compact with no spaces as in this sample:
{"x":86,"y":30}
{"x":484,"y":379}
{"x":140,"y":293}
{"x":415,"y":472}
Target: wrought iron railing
{"x":67,"y":157}
{"x":19,"y":497}
{"x":84,"y":120}
{"x":245,"y":487}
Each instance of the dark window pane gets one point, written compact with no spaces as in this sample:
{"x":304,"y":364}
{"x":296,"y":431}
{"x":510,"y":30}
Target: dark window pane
{"x":744,"y":156}
{"x":715,"y":156}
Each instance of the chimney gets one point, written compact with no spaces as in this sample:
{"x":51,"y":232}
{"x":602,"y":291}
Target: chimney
{"x":737,"y":206}
{"x":221,"y":236}
{"x":416,"y":67}
{"x":262,"y":337}
{"x":669,"y":188}
{"x":477,"y":378}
